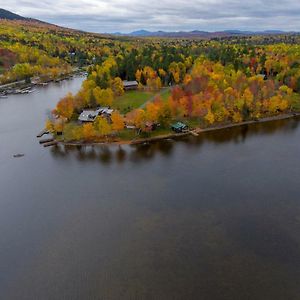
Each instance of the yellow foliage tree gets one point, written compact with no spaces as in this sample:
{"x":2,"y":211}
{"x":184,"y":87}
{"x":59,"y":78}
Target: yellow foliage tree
{"x":65,"y":107}
{"x":49,"y":125}
{"x":117,"y":121}
{"x":88,"y":131}
{"x":103,"y":96}
{"x":237,"y":117}
{"x":102,"y":127}
{"x":118,"y":86}
{"x":210,"y":118}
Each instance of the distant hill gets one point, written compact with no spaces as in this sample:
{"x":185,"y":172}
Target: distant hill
{"x":5,"y":14}
{"x":8,"y":15}
{"x":199,"y":34}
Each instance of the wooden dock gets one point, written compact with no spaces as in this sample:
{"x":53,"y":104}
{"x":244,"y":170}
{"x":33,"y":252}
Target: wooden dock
{"x":194,"y":133}
{"x":43,"y":132}
{"x":49,"y":144}
{"x":45,"y":141}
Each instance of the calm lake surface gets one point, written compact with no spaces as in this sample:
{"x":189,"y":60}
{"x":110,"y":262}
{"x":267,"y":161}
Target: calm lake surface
{"x":214,"y":217}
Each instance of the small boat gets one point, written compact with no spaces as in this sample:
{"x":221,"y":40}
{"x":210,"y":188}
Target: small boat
{"x":18,"y":155}
{"x":25,"y":92}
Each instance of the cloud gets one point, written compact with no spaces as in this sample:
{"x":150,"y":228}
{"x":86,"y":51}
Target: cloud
{"x":125,"y":16}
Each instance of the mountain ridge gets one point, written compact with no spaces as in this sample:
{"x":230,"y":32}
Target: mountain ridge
{"x":199,"y":33}
{"x":8,"y":15}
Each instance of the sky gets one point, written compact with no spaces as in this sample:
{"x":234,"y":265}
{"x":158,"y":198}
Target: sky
{"x":168,"y":15}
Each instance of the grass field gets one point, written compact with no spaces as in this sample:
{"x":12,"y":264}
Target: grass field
{"x":165,"y":94}
{"x":131,"y":100}
{"x":135,"y":99}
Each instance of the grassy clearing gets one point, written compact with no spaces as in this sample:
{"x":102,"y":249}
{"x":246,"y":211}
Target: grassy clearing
{"x":127,"y":135}
{"x":161,"y":131}
{"x":135,"y":99}
{"x":193,"y":122}
{"x":296,"y":102}
{"x":131,"y":100}
{"x":165,"y":94}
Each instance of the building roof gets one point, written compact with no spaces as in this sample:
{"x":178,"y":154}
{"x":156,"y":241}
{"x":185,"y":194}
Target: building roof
{"x":101,"y":110}
{"x":179,"y":125}
{"x":130,"y":83}
{"x":149,"y":123}
{"x":109,"y":111}
{"x":88,"y":116}
{"x":104,"y":110}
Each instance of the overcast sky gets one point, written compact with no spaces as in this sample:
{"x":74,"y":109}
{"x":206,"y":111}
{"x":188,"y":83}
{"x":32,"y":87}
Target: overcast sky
{"x":171,"y":15}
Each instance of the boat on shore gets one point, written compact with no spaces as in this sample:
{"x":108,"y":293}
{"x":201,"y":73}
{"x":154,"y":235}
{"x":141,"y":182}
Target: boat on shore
{"x":27,"y":90}
{"x":3,"y":95}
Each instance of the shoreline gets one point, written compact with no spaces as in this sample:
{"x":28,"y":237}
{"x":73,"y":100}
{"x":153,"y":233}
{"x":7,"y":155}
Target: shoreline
{"x":22,"y":84}
{"x":194,"y":132}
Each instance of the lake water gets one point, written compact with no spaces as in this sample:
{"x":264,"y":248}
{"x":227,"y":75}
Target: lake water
{"x":214,"y":217}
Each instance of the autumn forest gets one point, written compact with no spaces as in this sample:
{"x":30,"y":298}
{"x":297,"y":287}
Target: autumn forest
{"x":201,"y":83}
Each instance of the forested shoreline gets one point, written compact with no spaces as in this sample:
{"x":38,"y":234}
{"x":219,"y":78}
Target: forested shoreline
{"x":206,"y":82}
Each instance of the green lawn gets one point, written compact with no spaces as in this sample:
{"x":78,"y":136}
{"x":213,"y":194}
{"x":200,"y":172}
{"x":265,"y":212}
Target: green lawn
{"x":135,"y":99}
{"x":296,"y":101}
{"x":193,"y":122}
{"x":131,"y":100}
{"x":127,"y":134}
{"x":165,"y":94}
{"x":161,"y":131}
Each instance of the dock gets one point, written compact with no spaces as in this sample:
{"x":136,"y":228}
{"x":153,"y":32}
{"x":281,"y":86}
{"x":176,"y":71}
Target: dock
{"x":194,"y":133}
{"x":45,"y":141}
{"x":49,"y":144}
{"x":43,"y":132}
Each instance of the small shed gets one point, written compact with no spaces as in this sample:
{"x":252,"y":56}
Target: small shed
{"x":179,"y":127}
{"x":130,"y":85}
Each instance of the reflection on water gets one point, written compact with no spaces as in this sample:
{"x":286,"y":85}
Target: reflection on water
{"x":213,"y":217}
{"x":107,"y":154}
